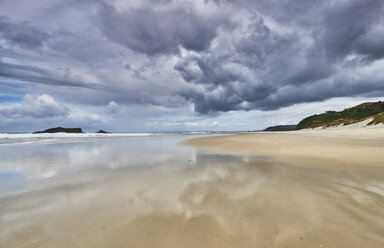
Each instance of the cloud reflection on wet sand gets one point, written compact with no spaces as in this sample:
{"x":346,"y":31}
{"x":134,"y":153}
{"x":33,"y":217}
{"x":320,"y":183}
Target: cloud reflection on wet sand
{"x":212,"y":200}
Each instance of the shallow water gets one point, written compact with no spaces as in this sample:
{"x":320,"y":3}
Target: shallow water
{"x":153,"y":192}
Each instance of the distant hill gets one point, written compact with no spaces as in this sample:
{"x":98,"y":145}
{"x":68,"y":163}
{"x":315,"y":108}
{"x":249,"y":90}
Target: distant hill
{"x":280,"y":128}
{"x":61,"y":130}
{"x":348,"y":116}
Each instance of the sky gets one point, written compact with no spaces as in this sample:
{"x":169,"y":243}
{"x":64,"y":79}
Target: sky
{"x":181,"y":65}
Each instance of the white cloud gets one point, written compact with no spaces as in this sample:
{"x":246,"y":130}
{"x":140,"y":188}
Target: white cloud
{"x":112,"y":107}
{"x":82,"y":116}
{"x":43,"y":106}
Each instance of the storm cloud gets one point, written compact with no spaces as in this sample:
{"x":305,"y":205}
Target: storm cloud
{"x":291,"y":61}
{"x":22,"y":34}
{"x":205,"y":57}
{"x":160,"y":31}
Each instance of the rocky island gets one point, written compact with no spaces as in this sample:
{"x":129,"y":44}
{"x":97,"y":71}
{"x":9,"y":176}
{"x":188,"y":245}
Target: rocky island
{"x":61,"y":130}
{"x":102,"y":131}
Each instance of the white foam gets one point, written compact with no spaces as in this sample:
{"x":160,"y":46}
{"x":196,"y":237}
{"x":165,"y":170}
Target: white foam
{"x":68,"y":135}
{"x":25,"y":138}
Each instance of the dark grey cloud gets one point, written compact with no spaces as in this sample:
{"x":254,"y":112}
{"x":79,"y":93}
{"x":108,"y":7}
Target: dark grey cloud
{"x":300,"y":61}
{"x":344,"y":24}
{"x":36,"y":74}
{"x":160,"y":31}
{"x":210,"y":56}
{"x":370,"y":44}
{"x":22,"y":33}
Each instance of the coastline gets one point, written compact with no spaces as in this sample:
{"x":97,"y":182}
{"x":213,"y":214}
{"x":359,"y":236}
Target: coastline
{"x":333,"y":178}
{"x":154,"y":192}
{"x":360,"y":148}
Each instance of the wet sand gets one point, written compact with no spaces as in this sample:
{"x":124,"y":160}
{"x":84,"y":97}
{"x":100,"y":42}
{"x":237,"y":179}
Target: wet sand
{"x":361,"y":149}
{"x":151,"y":192}
{"x":331,"y":193}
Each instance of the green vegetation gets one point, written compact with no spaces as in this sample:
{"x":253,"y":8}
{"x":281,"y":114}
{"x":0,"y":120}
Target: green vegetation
{"x":379,"y":118}
{"x":280,"y":128}
{"x":348,"y":116}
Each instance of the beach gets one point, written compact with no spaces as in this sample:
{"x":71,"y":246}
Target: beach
{"x":242,"y":190}
{"x":359,"y":148}
{"x":192,"y":124}
{"x":330,"y":186}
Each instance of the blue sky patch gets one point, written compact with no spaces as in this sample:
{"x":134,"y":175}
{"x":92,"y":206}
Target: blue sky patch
{"x":13,"y":85}
{"x":11,"y":98}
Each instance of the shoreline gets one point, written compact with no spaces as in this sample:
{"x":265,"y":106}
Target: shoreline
{"x":157,"y":193}
{"x":333,"y":177}
{"x":360,"y":148}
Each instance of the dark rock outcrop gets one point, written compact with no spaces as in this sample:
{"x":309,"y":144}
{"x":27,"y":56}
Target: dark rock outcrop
{"x":61,"y":130}
{"x":102,"y":131}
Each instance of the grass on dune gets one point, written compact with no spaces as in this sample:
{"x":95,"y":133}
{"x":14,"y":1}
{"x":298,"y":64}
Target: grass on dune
{"x":346,"y":117}
{"x":379,"y":118}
